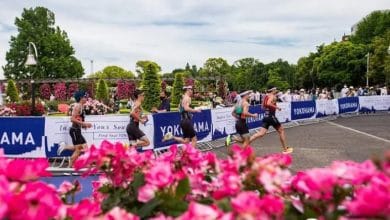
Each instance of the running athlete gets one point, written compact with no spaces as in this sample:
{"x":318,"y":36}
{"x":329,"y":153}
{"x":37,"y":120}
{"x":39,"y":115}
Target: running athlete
{"x":78,"y":122}
{"x":241,"y":112}
{"x":186,"y":125}
{"x":269,"y":105}
{"x":137,"y":138}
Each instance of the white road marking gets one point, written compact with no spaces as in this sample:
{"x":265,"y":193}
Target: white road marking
{"x":360,"y":132}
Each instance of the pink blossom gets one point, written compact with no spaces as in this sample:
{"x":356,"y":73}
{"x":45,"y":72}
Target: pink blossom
{"x":227,"y":184}
{"x":199,"y":211}
{"x":37,"y":200}
{"x":160,"y":174}
{"x":146,"y":192}
{"x":246,"y":202}
{"x":84,"y":209}
{"x":354,"y":173}
{"x":372,"y":200}
{"x":118,"y":213}
{"x":317,"y":183}
{"x":4,"y":196}
{"x":65,"y":187}
{"x":242,"y":155}
{"x":274,"y":179}
{"x":26,"y":170}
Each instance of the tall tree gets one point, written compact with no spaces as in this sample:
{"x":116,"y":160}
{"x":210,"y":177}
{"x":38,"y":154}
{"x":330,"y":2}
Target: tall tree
{"x":12,"y":91}
{"x":244,"y":69}
{"x":177,"y":88}
{"x":55,"y":53}
{"x":215,"y":67}
{"x":151,"y":84}
{"x":102,"y":91}
{"x":142,"y":65}
{"x":379,"y":56}
{"x":375,"y":24}
{"x":112,"y":72}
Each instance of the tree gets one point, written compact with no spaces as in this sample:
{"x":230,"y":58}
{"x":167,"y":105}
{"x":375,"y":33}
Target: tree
{"x":113,"y":72}
{"x":375,"y":24}
{"x":244,"y":69}
{"x":215,"y":67}
{"x":341,"y":63}
{"x":151,"y":84}
{"x":12,"y":91}
{"x":102,"y":91}
{"x":275,"y":80}
{"x":178,"y":84}
{"x":378,"y":59}
{"x":284,"y":70}
{"x":143,"y":64}
{"x":55,"y":53}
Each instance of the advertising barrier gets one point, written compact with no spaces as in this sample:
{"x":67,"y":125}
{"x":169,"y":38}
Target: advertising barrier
{"x":32,"y":137}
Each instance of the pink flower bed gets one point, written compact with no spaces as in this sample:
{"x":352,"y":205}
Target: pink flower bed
{"x":185,"y":183}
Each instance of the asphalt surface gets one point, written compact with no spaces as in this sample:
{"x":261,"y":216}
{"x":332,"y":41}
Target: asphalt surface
{"x":355,"y":138}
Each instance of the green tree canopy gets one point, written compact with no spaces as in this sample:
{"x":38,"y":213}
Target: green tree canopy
{"x":244,"y":69}
{"x":375,"y":24}
{"x":112,"y":72}
{"x":102,"y":90}
{"x":151,"y":84}
{"x":379,"y":60}
{"x":142,"y":65}
{"x":55,"y":53}
{"x":215,"y":67}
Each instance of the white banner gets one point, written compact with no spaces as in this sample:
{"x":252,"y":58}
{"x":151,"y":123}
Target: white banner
{"x":374,"y":103}
{"x":223,"y":123}
{"x":107,"y":127}
{"x":327,"y":107}
{"x":284,"y":115}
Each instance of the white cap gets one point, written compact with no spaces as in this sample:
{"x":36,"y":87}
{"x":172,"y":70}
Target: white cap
{"x":187,"y":87}
{"x":245,"y":93}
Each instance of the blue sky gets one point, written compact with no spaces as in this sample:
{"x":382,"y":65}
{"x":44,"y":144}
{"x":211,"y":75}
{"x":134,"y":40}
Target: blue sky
{"x":174,"y":32}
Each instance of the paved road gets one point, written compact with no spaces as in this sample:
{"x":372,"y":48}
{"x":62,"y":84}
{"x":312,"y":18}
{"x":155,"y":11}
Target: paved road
{"x":316,"y":145}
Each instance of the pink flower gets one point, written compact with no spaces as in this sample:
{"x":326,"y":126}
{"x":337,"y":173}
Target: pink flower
{"x":274,"y":179}
{"x":354,"y":173}
{"x":372,"y":200}
{"x":242,"y":155}
{"x":37,"y":200}
{"x":160,"y":174}
{"x":317,"y":183}
{"x":227,"y":184}
{"x":4,"y":196}
{"x":146,"y":192}
{"x":26,"y":170}
{"x":246,"y":202}
{"x":65,"y":187}
{"x":84,"y":209}
{"x":199,"y":211}
{"x":118,"y":213}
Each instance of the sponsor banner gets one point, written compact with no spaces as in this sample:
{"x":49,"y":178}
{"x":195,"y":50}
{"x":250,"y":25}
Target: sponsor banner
{"x":258,"y":121}
{"x":303,"y":110}
{"x":374,"y":103}
{"x":326,"y":107}
{"x":284,"y":115}
{"x":348,"y":104}
{"x":223,"y":123}
{"x":170,"y":122}
{"x":22,"y":136}
{"x":108,"y":127}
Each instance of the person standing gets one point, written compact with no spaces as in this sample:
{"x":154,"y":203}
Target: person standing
{"x":270,"y":107}
{"x":165,"y":105}
{"x":78,"y":122}
{"x":186,"y":124}
{"x":137,"y":138}
{"x":241,"y":113}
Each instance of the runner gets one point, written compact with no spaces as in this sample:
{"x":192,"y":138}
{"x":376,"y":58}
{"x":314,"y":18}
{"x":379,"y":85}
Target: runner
{"x":189,"y":134}
{"x":241,"y":112}
{"x":137,"y":138}
{"x":78,"y":122}
{"x":269,"y":105}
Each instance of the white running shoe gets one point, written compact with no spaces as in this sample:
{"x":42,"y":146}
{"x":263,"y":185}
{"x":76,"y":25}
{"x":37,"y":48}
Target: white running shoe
{"x":168,"y":136}
{"x":61,"y":148}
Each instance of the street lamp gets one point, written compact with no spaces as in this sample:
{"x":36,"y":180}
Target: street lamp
{"x":368,"y":64}
{"x":32,"y":61}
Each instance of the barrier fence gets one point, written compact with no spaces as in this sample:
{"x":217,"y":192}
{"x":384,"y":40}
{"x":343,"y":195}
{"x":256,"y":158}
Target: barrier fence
{"x":34,"y":137}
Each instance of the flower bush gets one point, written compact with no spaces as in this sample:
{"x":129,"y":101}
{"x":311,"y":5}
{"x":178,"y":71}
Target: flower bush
{"x":6,"y":111}
{"x":124,"y":89}
{"x":45,"y":91}
{"x":60,"y":91}
{"x":72,"y":88}
{"x":185,"y":183}
{"x":93,"y":107}
{"x":24,"y":109}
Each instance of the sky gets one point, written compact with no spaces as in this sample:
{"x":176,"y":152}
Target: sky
{"x":174,"y":32}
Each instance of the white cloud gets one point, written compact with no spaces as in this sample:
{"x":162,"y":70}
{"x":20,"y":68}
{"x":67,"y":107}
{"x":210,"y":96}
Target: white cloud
{"x":174,"y":32}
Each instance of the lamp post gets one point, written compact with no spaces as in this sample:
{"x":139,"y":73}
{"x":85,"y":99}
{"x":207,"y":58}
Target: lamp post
{"x":368,"y":64}
{"x":32,"y":61}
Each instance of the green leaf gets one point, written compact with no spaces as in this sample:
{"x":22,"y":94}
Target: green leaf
{"x":225,"y":205}
{"x":148,"y":208}
{"x":105,"y":189}
{"x":183,"y":188}
{"x":139,"y":180}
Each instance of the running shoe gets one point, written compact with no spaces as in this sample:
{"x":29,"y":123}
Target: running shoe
{"x":168,"y":136}
{"x":288,"y":150}
{"x":228,"y":140}
{"x":61,"y":148}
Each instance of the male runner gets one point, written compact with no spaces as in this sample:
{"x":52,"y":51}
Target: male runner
{"x":77,"y":119}
{"x":241,"y":112}
{"x":137,"y":138}
{"x":189,"y":134}
{"x":269,"y":105}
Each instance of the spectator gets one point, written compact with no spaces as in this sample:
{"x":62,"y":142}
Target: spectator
{"x":351,"y":92}
{"x":287,"y":96}
{"x":323,"y":95}
{"x":165,"y":105}
{"x":384,"y":91}
{"x":257,"y":98}
{"x":344,"y":91}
